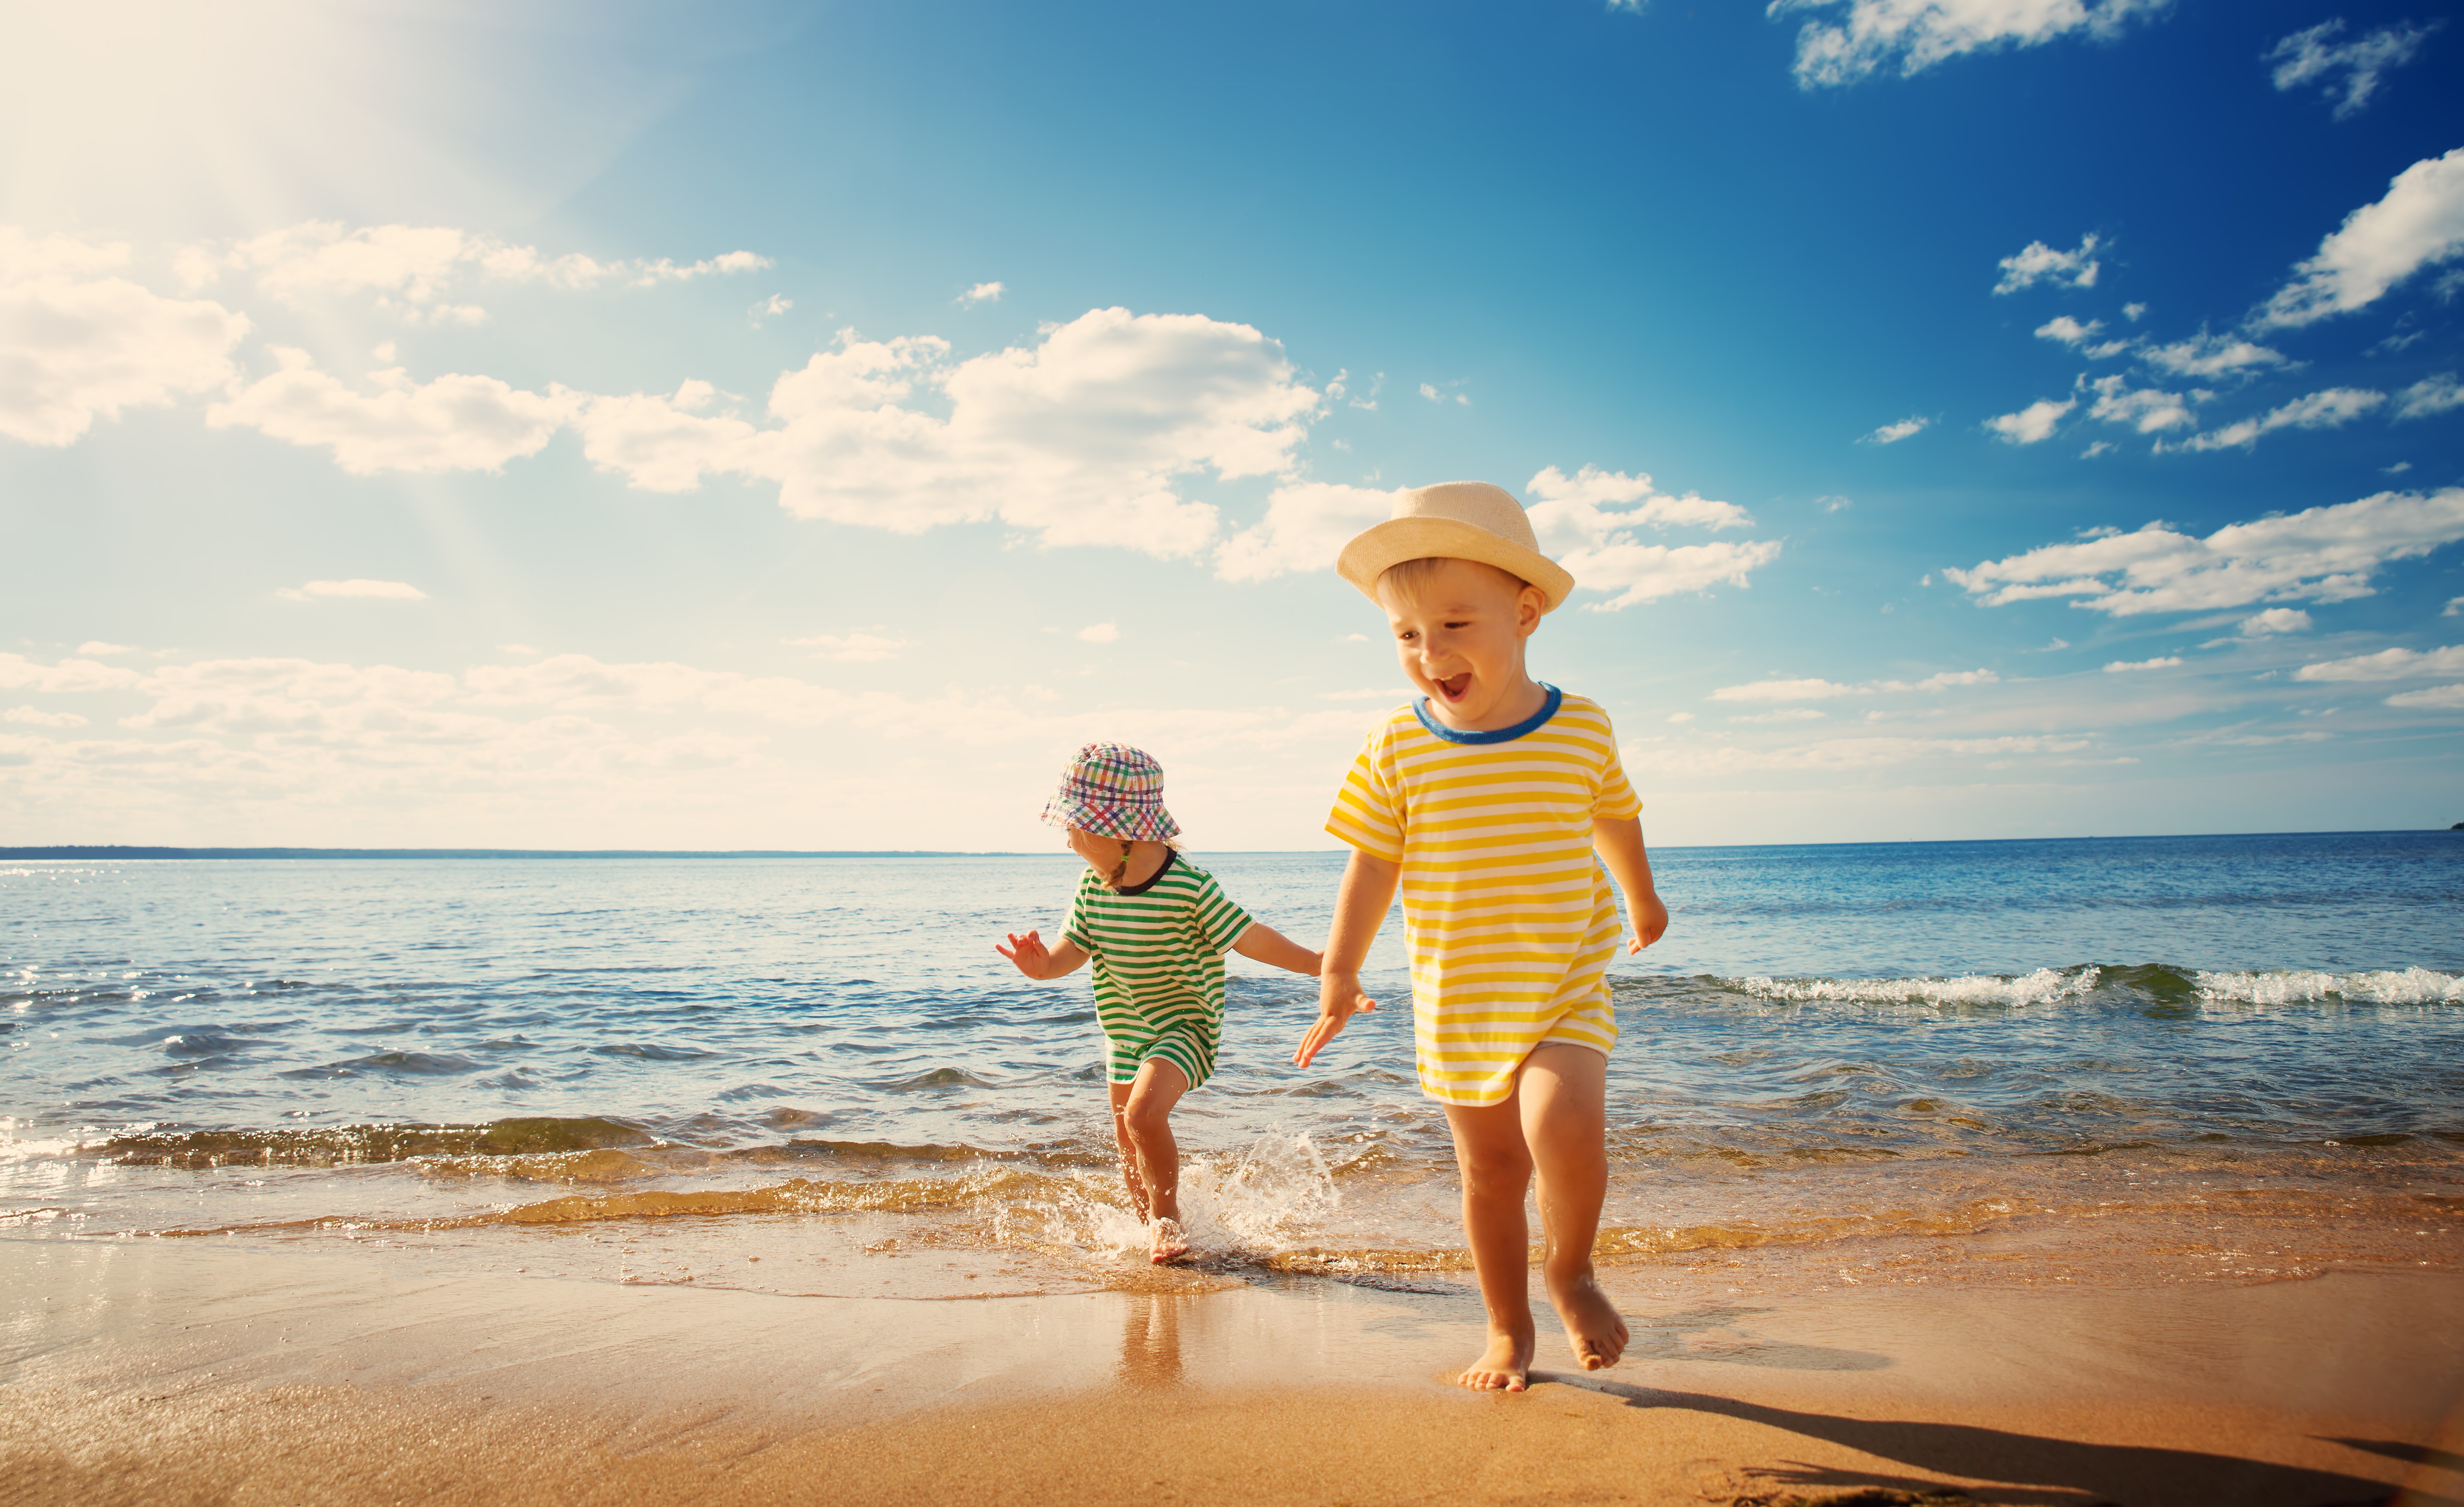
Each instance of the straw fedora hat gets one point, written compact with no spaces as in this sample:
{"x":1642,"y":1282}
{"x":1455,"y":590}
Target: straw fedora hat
{"x":1459,"y":520}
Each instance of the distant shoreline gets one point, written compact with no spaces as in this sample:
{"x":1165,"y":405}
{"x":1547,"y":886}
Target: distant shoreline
{"x":128,"y":851}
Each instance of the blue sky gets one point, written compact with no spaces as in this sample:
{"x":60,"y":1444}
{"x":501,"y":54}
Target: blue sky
{"x":539,"y":425}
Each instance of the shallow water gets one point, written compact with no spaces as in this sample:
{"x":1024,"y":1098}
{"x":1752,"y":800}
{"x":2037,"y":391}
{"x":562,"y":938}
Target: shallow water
{"x":644,"y":1069}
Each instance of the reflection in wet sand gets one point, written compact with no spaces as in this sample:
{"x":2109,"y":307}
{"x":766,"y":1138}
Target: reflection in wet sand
{"x":1150,"y":1341}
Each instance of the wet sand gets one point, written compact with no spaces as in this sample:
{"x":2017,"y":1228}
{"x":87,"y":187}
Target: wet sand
{"x":188,"y":1371}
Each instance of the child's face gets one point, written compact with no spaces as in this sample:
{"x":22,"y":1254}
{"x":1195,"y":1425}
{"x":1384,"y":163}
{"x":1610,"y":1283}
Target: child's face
{"x":1103,"y":854}
{"x":1459,"y":639}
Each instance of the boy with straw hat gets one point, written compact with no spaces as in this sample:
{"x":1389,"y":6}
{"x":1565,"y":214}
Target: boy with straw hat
{"x":1492,"y":804}
{"x":1156,"y":927}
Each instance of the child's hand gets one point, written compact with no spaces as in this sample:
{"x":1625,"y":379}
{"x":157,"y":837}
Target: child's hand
{"x":1338,"y":1000}
{"x":1029,"y":953}
{"x":1650,"y":922}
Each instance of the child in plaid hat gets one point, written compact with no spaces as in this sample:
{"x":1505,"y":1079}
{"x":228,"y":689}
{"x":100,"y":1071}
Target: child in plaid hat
{"x":1156,"y":927}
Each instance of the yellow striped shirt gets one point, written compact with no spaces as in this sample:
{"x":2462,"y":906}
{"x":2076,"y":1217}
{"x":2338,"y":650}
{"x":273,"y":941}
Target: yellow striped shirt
{"x":1508,"y":918}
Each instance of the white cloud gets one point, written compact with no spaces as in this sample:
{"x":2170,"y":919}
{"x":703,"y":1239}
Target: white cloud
{"x":2037,"y":262}
{"x":2032,"y":424}
{"x":577,"y":743}
{"x":2149,"y":410}
{"x":2099,"y":448}
{"x":2388,"y":664}
{"x":1100,"y":634}
{"x":659,"y":443}
{"x":1785,"y":714}
{"x":2454,"y":607}
{"x":454,"y":423}
{"x":1081,"y":439}
{"x":76,"y":343}
{"x":1642,"y":573}
{"x":2069,"y":331}
{"x":1816,"y":689}
{"x":2431,"y":394}
{"x":2310,"y":56}
{"x":2331,"y":408}
{"x":1834,"y":504}
{"x":95,"y":646}
{"x":851,"y":648}
{"x":1590,"y":522}
{"x":67,"y":678}
{"x":1595,"y":507}
{"x":2125,"y":666}
{"x":2437,"y":698}
{"x":357,"y":589}
{"x":36,"y":717}
{"x":2322,"y":554}
{"x":1305,"y":527}
{"x":982,"y":293}
{"x":2419,"y":223}
{"x":2276,"y":620}
{"x":1918,"y":33}
{"x":2206,"y":355}
{"x":1809,"y":689}
{"x":411,"y":268}
{"x":769,"y":308}
{"x":1893,"y":434}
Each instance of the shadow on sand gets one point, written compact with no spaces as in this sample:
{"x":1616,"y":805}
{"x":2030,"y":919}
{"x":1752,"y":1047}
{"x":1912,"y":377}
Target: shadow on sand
{"x":2044,"y":1473}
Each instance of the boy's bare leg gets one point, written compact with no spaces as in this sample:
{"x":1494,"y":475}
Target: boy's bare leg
{"x":1563,"y":1093}
{"x":1127,"y":1148}
{"x":1146,"y":1120}
{"x":1496,"y":1168}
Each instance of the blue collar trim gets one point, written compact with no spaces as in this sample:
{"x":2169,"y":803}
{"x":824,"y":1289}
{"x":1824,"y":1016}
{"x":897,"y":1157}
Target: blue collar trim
{"x":1502,"y":735}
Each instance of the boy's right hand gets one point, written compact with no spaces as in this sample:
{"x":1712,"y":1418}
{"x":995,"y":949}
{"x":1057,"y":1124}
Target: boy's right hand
{"x":1032,"y":957}
{"x":1338,"y":1000}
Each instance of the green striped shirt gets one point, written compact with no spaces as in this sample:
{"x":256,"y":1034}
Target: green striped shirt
{"x":1158,"y":953}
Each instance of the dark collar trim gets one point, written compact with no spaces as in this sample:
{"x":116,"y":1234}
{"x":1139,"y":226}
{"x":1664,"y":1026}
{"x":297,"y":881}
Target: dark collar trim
{"x":1170,"y":858}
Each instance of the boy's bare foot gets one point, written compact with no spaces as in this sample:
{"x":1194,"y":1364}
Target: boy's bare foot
{"x":1505,"y":1366}
{"x":1594,"y":1329}
{"x":1170,"y":1244}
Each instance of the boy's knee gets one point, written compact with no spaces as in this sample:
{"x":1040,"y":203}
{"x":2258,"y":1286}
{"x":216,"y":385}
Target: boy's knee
{"x":1494,"y":1174}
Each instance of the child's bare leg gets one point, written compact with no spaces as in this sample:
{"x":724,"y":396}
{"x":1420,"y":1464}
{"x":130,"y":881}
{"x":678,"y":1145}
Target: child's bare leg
{"x":1128,"y":1149}
{"x":1496,"y":1169}
{"x":1563,"y":1093}
{"x":1146,"y":1120}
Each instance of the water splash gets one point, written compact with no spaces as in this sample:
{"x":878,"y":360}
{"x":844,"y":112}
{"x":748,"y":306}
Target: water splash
{"x":2298,"y":987}
{"x":2043,"y":986}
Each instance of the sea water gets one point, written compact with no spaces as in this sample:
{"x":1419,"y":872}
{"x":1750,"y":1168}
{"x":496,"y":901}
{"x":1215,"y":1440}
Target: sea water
{"x":815,"y":1075}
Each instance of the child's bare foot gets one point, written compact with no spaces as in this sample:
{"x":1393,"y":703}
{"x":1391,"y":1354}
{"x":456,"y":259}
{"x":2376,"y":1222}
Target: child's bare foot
{"x":1505,"y":1366}
{"x":1170,"y":1244}
{"x":1594,"y":1330}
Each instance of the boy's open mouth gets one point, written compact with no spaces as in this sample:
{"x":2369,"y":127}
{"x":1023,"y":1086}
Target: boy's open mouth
{"x":1453,"y":687}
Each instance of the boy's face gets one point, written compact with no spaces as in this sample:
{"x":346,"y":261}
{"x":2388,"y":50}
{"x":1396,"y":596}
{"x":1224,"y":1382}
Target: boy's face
{"x":1459,"y":636}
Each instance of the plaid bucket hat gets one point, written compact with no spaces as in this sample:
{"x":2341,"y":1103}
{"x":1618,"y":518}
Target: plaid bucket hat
{"x":1114,"y":790}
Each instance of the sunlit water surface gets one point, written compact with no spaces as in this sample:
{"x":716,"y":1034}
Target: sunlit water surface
{"x":815,"y":1075}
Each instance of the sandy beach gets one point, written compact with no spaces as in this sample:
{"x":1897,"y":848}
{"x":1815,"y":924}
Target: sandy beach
{"x":186,"y":1371}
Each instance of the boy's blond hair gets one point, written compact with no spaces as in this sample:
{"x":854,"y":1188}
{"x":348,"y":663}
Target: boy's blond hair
{"x":1408,"y":577}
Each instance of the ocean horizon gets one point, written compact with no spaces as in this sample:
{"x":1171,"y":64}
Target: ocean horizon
{"x":139,"y":852}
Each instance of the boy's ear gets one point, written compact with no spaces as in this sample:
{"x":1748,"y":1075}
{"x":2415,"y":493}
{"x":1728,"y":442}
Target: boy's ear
{"x":1531,"y":605}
